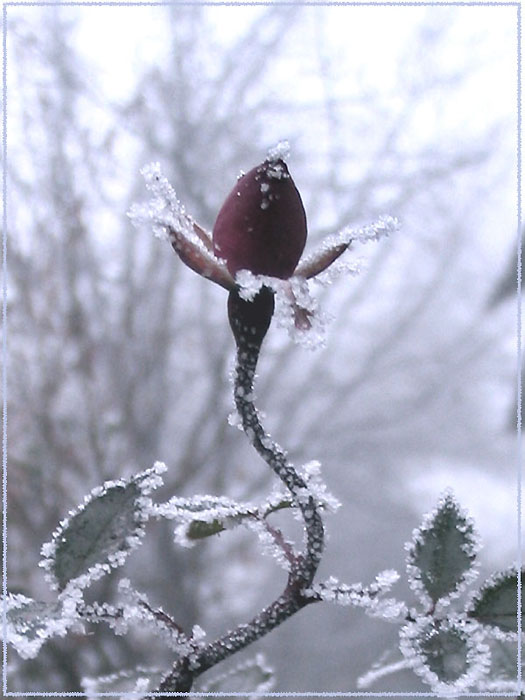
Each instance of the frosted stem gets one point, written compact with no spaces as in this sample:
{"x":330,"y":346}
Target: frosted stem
{"x":303,"y":567}
{"x":272,"y":454}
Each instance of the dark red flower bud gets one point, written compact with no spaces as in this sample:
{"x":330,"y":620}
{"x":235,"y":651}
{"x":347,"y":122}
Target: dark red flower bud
{"x":261,"y":226}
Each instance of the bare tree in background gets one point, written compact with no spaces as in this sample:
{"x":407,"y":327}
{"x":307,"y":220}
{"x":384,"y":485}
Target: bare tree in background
{"x":113,"y":363}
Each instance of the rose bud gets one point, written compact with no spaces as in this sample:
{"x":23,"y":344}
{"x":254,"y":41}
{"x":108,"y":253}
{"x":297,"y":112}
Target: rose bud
{"x":261,"y":226}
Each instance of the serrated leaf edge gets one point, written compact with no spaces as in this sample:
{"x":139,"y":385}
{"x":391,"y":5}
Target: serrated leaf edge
{"x":414,"y":572}
{"x":475,"y":596}
{"x":478,"y":652}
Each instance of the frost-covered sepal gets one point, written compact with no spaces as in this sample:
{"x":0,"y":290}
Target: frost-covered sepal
{"x":441,"y":555}
{"x":495,"y":605}
{"x":134,"y":683}
{"x":252,"y":676}
{"x":99,"y":535}
{"x":31,"y":623}
{"x":449,"y":655}
{"x":334,"y":246}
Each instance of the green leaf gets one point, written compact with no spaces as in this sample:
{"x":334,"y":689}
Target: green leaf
{"x":99,"y":535}
{"x":504,"y":663}
{"x":442,"y":552}
{"x":249,"y":677}
{"x":204,"y":516}
{"x":447,"y":654}
{"x":198,"y":529}
{"x":495,"y":604}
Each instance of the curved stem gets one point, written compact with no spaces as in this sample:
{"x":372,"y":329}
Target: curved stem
{"x":302,"y":569}
{"x":275,"y":457}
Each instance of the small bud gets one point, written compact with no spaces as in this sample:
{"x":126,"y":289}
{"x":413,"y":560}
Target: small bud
{"x":261,"y":226}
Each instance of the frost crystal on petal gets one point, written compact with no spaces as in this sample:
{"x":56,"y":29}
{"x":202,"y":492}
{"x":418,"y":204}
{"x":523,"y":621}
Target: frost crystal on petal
{"x":279,"y":152}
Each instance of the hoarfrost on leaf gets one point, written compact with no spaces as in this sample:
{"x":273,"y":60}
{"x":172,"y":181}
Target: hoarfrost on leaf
{"x":31,"y":623}
{"x":495,"y":605}
{"x":100,"y":533}
{"x":202,"y":516}
{"x":449,"y":655}
{"x":440,"y":558}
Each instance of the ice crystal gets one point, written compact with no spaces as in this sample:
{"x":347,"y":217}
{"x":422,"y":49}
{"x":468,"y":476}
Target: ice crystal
{"x":170,"y":221}
{"x":218,"y":512}
{"x":279,"y":152}
{"x":295,"y":308}
{"x":332,"y":246}
{"x":367,"y":597}
{"x":31,"y":623}
{"x":136,"y":610}
{"x":317,"y":489}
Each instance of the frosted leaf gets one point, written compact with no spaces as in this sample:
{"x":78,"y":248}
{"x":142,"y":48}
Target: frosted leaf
{"x":440,"y":558}
{"x":495,"y":605}
{"x":449,"y":655}
{"x":503,"y":668}
{"x":31,"y":623}
{"x":203,"y":516}
{"x":253,"y":677}
{"x":279,"y":152}
{"x":99,"y":535}
{"x":134,"y":682}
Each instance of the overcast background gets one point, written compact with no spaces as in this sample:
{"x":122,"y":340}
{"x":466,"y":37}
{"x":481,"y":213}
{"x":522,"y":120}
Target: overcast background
{"x":119,"y":356}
